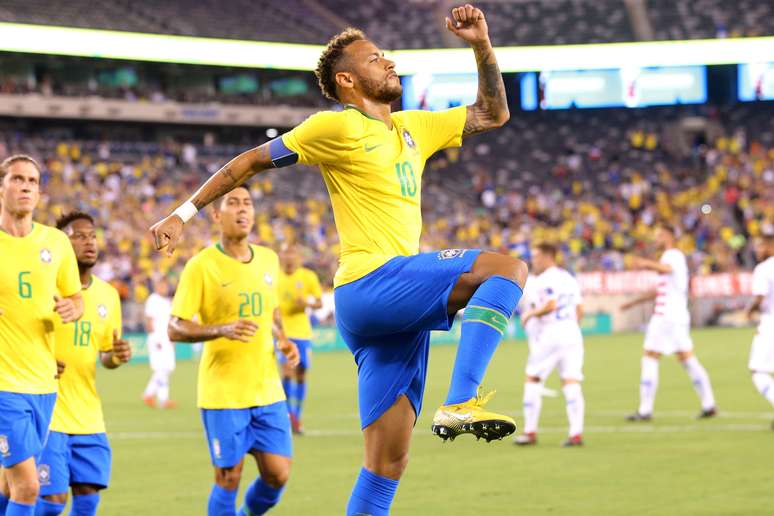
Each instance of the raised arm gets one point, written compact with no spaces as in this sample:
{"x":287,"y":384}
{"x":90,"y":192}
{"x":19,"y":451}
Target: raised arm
{"x":647,"y":296}
{"x":491,"y":107}
{"x":638,"y":262}
{"x":166,"y":232}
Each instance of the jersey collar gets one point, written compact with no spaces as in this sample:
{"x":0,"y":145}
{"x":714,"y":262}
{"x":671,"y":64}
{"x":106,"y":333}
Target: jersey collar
{"x":252,"y":253}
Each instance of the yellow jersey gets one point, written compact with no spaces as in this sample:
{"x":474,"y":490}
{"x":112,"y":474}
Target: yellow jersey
{"x":300,"y":285}
{"x":374,"y":177}
{"x":78,"y":409}
{"x":220,"y":289}
{"x":35,"y":268}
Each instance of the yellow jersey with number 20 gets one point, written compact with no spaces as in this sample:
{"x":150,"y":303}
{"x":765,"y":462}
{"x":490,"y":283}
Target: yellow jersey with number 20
{"x":374,"y":177}
{"x":34,"y":269}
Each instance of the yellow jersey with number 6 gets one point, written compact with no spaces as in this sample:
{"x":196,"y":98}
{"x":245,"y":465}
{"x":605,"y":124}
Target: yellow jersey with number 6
{"x":220,"y":290}
{"x":374,"y":177}
{"x":78,"y":409}
{"x":34,"y":269}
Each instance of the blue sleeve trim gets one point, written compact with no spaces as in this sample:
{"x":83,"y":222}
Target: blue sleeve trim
{"x":280,"y":155}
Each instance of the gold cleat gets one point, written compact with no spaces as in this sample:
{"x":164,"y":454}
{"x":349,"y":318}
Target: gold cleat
{"x":471,"y":418}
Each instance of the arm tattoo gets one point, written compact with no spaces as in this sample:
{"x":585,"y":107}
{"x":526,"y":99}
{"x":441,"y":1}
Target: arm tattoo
{"x":490,"y":103}
{"x":234,"y":173}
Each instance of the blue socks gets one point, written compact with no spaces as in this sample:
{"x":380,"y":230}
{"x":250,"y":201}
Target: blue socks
{"x":85,"y":505}
{"x":19,"y":509}
{"x":3,"y":503}
{"x":372,"y":495}
{"x":483,"y":325}
{"x":259,"y":498}
{"x":222,"y":502}
{"x":287,"y":386}
{"x":300,"y":395}
{"x":44,"y":507}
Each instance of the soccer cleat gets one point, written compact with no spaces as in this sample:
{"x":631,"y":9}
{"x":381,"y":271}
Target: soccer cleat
{"x":529,"y":439}
{"x":706,"y":414}
{"x":150,"y":401}
{"x":295,"y":425}
{"x":638,"y":417}
{"x":575,"y":440}
{"x":470,"y":417}
{"x":169,"y":404}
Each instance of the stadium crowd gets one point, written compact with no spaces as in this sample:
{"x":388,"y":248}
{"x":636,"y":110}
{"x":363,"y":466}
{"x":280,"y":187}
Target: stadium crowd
{"x":595,"y":190}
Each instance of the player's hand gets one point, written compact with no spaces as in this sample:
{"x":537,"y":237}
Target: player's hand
{"x":468,"y":24}
{"x":60,"y":367}
{"x":66,"y":309}
{"x":290,"y":350}
{"x":122,"y":350}
{"x":635,"y":262}
{"x":241,"y":330}
{"x":166,"y":233}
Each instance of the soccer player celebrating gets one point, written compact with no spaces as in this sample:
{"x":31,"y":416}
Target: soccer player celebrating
{"x":388,"y":298}
{"x":39,"y":284}
{"x":669,"y":328}
{"x":232,"y":287}
{"x":299,"y":289}
{"x":161,"y":350}
{"x":77,"y":453}
{"x":762,"y":353}
{"x":559,"y":344}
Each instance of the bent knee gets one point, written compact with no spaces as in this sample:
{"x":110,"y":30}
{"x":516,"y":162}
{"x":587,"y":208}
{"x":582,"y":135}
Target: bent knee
{"x":276,"y":478}
{"x":652,"y":354}
{"x":25,"y":491}
{"x":56,"y":498}
{"x":228,"y":478}
{"x":390,"y":467}
{"x":496,"y":264}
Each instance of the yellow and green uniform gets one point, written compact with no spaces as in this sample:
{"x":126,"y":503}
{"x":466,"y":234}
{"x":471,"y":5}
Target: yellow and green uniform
{"x":374,"y":177}
{"x":220,"y":289}
{"x":34,"y":269}
{"x":78,"y":344}
{"x":300,"y":285}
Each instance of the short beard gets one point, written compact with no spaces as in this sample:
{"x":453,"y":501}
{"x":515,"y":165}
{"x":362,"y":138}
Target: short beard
{"x":381,"y":91}
{"x":82,"y":266}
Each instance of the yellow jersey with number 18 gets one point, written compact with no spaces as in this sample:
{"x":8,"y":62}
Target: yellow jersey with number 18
{"x":374,"y":177}
{"x":220,"y":290}
{"x":295,"y":287}
{"x":78,"y":409}
{"x":34,"y":269}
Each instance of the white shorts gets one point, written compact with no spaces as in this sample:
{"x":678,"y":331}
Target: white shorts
{"x":161,"y":354}
{"x":762,"y":353}
{"x":556,"y":349}
{"x":667,"y":337}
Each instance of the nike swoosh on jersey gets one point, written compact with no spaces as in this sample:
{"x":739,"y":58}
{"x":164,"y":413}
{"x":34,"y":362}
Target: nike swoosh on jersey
{"x":372,"y":147}
{"x":227,"y":283}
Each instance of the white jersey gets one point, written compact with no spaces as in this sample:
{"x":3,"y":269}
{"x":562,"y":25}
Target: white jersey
{"x":158,"y":308}
{"x":763,"y":285}
{"x":529,"y":301}
{"x":672,"y":289}
{"x":559,"y":285}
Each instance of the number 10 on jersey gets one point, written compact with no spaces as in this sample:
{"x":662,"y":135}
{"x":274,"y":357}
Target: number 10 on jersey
{"x":408,"y":182}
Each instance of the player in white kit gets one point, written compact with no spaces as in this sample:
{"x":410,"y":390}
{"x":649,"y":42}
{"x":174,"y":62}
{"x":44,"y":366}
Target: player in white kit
{"x":762,"y":353}
{"x":161,"y":350}
{"x":555,"y":340}
{"x":669,"y":328}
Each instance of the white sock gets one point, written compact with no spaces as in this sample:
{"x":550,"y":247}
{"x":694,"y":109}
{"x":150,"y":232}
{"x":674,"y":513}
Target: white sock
{"x":765,"y":385}
{"x":648,"y":385}
{"x":150,"y":389}
{"x":162,"y":391}
{"x":533,"y":401}
{"x":576,"y":407}
{"x":701,"y":382}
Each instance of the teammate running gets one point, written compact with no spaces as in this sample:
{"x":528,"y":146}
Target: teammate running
{"x":77,"y":455}
{"x":762,"y":353}
{"x":161,"y":350}
{"x":388,"y":297}
{"x":669,"y":328}
{"x":39,"y":284}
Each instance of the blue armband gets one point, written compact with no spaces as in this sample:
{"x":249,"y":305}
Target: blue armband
{"x":280,"y":155}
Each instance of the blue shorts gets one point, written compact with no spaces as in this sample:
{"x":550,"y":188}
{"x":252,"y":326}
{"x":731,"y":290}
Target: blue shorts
{"x":231,"y":433}
{"x":24,"y":420}
{"x":386,"y":317}
{"x":71,"y":459}
{"x":304,"y":351}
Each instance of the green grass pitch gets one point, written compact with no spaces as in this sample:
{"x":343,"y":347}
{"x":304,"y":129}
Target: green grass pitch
{"x":675,"y":465}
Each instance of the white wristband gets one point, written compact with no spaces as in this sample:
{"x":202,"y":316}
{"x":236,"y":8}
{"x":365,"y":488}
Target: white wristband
{"x":186,"y":211}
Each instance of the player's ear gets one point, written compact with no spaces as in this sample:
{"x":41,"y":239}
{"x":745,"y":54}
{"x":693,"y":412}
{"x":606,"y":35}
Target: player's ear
{"x":215,"y":210}
{"x":345,"y":80}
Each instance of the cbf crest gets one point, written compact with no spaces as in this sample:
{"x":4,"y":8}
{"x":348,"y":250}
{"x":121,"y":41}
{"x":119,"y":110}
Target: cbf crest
{"x":45,"y":255}
{"x":44,"y":474}
{"x":102,"y":311}
{"x":408,"y":139}
{"x":5,"y":450}
{"x":268,"y":279}
{"x":448,"y":254}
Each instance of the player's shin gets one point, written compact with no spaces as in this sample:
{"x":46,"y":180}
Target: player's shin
{"x":85,"y":505}
{"x":701,"y":382}
{"x":533,"y":403}
{"x":371,"y":495}
{"x":765,"y":385}
{"x":576,"y":407}
{"x":484,"y":322}
{"x":648,"y":385}
{"x":3,"y":500}
{"x":221,"y":501}
{"x":19,"y":509}
{"x":259,"y":498}
{"x":45,"y":507}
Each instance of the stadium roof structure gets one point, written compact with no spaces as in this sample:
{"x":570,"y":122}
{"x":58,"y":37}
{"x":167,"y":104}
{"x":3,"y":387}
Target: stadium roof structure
{"x":52,"y":40}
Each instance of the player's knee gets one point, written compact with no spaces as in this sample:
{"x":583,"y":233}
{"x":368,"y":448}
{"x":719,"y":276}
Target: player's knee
{"x":25,"y":490}
{"x":533,"y":379}
{"x":684,"y":355}
{"x":83,"y":489}
{"x":278,"y":477}
{"x":58,"y":498}
{"x":395,"y":466}
{"x":495,"y":264}
{"x":653,"y":354}
{"x":228,"y":478}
